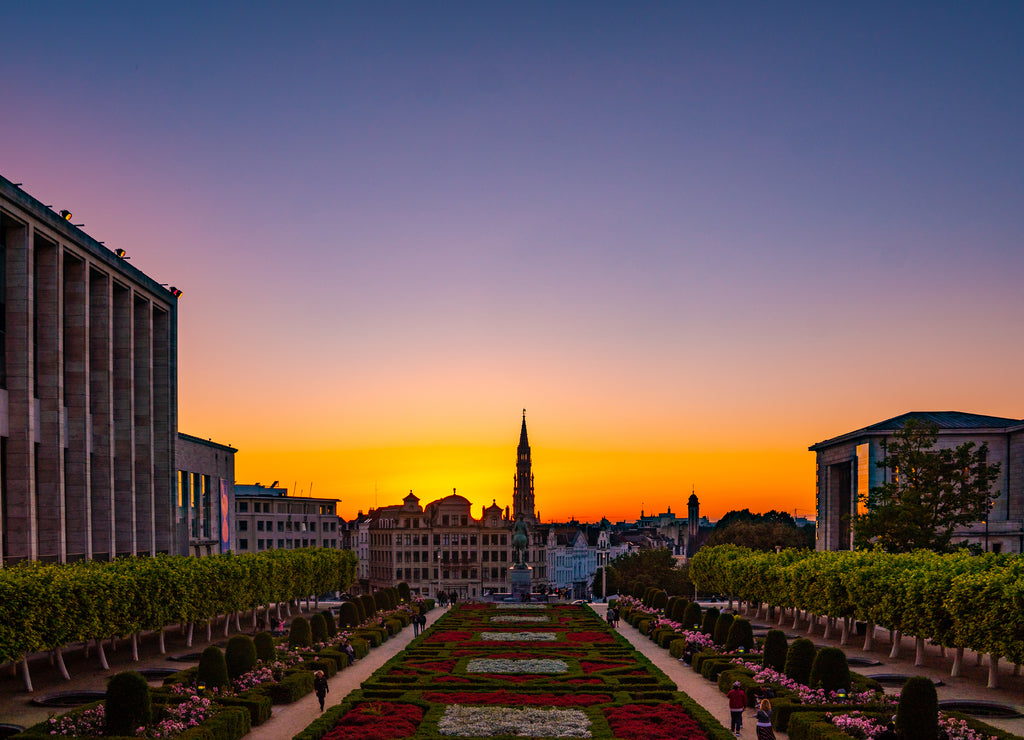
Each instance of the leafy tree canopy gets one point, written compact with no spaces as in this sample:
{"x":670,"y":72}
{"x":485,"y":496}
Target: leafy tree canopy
{"x":760,"y":531}
{"x":654,"y":567}
{"x":931,"y":492}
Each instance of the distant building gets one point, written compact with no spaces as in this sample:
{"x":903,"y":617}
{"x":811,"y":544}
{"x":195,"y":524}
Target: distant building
{"x":846,"y":468}
{"x":88,"y":394}
{"x":440,"y":547}
{"x":267,"y":518}
{"x":522,"y":489}
{"x":206,"y":494}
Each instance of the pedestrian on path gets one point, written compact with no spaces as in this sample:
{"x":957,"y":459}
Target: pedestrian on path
{"x":764,"y":721}
{"x":320,"y":687}
{"x":415,"y":625}
{"x":737,"y":703}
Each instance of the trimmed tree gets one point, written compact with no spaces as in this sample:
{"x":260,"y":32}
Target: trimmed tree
{"x":264,"y":644}
{"x":240,"y":655}
{"x":799,"y":660}
{"x":300,"y":634}
{"x":318,"y":628}
{"x":917,"y":716}
{"x":691,"y":616}
{"x":775,"y":648}
{"x":741,"y":636}
{"x":722,"y":626}
{"x":708,"y":621}
{"x":128,"y":704}
{"x":213,"y":670}
{"x":830,"y":670}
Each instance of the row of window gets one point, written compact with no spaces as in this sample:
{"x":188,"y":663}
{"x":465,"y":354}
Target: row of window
{"x":283,"y":526}
{"x":266,"y":507}
{"x":440,"y":540}
{"x":285,"y":543}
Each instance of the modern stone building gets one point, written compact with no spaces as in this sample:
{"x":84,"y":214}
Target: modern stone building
{"x":205,"y":494}
{"x":267,"y":518}
{"x":88,"y":394}
{"x":846,"y":468}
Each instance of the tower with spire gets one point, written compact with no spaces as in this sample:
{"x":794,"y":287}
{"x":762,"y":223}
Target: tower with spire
{"x":522,"y":492}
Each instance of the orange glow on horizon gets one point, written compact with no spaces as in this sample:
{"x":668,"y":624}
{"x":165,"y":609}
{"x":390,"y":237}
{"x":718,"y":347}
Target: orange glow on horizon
{"x":569,"y":483}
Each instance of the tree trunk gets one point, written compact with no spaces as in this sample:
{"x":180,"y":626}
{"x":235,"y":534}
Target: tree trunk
{"x":895,"y":652}
{"x":113,"y":644}
{"x":1016,"y":669}
{"x":844,"y":638}
{"x":278,"y":607}
{"x":209,"y":629}
{"x":59,"y":654}
{"x":869,"y":637}
{"x":977,"y":658}
{"x":993,"y":671}
{"x":135,"y":646}
{"x":919,"y":654}
{"x":188,"y":637}
{"x":163,"y":645}
{"x":102,"y":655}
{"x":796,"y":618}
{"x":26,"y":674}
{"x":782,"y":615}
{"x":238,"y":621}
{"x":829,"y":621}
{"x":958,"y":663}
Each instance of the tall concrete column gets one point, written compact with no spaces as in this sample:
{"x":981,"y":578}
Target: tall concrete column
{"x":124,"y":422}
{"x":49,"y":463}
{"x":143,"y":400}
{"x":78,"y":522}
{"x":164,"y":437}
{"x":101,"y":408}
{"x":20,"y":503}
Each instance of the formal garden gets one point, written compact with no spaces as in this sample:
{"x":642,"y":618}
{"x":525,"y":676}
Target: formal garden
{"x":814,"y":693}
{"x":518,"y":670}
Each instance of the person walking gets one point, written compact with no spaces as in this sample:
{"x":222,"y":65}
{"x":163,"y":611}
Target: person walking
{"x":764,"y":721}
{"x":320,"y":687}
{"x":737,"y":703}
{"x":416,"y":625}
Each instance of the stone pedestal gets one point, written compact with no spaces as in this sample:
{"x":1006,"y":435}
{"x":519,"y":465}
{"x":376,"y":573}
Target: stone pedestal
{"x":520,"y":576}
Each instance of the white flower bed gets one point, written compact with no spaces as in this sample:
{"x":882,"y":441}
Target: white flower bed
{"x":526,"y":722}
{"x":521,"y":618}
{"x":508,"y":665}
{"x":519,"y":636}
{"x":522,"y":606}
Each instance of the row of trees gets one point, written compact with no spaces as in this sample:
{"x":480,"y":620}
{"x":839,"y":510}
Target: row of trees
{"x":956,"y":600}
{"x":46,"y":606}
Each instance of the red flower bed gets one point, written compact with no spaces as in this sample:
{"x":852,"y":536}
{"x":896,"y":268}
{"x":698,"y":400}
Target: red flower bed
{"x":590,"y":666}
{"x":585,"y":681}
{"x":590,"y":637}
{"x":453,"y":636}
{"x":379,"y":720}
{"x":519,"y":655}
{"x":653,"y":722}
{"x":442,"y":666}
{"x":512,"y":698}
{"x":451,"y":679}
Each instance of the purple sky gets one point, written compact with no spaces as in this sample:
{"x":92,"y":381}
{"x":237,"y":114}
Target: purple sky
{"x":692,"y":230}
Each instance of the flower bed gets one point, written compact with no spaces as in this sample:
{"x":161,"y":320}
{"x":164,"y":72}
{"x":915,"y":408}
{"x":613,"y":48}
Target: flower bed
{"x":568,"y":679}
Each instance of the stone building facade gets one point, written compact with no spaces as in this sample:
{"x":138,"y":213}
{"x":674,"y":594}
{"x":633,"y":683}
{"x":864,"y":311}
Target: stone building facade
{"x":267,"y":518}
{"x":846,"y":467}
{"x":205,"y":494}
{"x":88,"y":394}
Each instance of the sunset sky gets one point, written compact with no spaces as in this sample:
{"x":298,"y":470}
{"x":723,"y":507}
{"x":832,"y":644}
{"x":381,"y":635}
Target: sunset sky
{"x":690,"y":239}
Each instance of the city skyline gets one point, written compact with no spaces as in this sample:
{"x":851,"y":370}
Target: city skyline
{"x":691,"y":241}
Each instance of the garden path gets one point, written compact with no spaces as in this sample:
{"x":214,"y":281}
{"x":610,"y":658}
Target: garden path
{"x":698,"y":688}
{"x":288,"y":720}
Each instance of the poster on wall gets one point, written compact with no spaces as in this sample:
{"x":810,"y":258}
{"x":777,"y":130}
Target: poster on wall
{"x":225,"y":517}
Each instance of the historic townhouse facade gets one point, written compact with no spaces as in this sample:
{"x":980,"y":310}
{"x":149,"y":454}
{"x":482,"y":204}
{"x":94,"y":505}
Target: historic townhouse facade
{"x":88,"y":394}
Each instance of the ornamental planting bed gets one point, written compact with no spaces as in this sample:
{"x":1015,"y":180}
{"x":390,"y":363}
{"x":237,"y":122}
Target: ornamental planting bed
{"x":486,"y":670}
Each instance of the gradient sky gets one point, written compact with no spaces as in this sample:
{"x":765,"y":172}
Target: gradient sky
{"x":691,"y":239}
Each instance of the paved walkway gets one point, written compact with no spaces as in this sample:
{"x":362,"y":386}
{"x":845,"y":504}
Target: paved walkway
{"x":288,"y":720}
{"x":697,"y":687}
